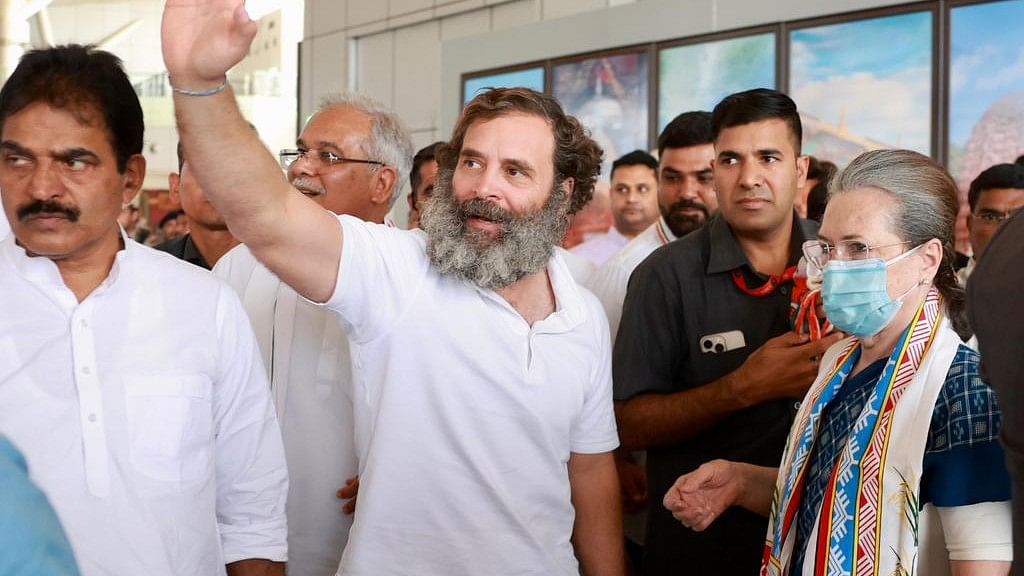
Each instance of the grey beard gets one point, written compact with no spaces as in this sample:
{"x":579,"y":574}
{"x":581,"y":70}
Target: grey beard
{"x":523,"y":247}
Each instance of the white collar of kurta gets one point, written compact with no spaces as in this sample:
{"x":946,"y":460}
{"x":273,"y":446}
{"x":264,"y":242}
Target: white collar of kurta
{"x":42,"y":271}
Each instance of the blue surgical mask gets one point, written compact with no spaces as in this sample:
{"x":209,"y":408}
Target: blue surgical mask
{"x":855,"y":295}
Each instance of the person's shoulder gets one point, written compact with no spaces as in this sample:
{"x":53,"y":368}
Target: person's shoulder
{"x":679,"y":257}
{"x":175,"y":246}
{"x":965,"y":412}
{"x":166,"y":268}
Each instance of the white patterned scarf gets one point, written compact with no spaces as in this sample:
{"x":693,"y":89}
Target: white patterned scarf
{"x":868,"y":521}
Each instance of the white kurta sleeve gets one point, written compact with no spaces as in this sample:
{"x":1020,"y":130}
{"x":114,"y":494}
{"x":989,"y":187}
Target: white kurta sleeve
{"x":252,"y":479}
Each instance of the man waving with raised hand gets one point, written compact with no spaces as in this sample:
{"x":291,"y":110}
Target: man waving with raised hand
{"x":484,"y":423}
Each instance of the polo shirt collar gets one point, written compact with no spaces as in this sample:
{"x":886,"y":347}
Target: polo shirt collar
{"x":569,"y":309}
{"x":727,"y":255}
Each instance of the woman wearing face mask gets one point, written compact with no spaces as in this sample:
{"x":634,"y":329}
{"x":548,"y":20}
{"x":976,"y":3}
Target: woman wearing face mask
{"x":895,"y":449}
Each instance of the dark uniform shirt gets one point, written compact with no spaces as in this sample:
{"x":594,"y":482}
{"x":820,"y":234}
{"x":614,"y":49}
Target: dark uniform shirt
{"x":185,"y":249}
{"x":681,"y":294}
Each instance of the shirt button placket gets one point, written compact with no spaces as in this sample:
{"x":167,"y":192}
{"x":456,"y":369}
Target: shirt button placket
{"x":90,"y":403}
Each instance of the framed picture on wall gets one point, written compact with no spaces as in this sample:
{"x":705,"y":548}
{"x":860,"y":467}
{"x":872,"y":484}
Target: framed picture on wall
{"x":864,"y":84}
{"x":986,"y":87}
{"x":698,"y":74}
{"x":609,"y":93}
{"x":531,"y":76}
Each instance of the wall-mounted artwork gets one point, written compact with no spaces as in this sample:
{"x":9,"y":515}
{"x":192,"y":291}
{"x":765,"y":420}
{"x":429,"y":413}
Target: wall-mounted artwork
{"x":609,"y":95}
{"x":864,"y":85}
{"x":986,"y":86}
{"x":698,"y":76}
{"x":525,"y":78}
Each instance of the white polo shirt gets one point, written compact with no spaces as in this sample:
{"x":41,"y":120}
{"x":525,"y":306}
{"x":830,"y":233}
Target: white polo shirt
{"x":467,"y":415}
{"x":307,"y":357}
{"x":5,"y":227}
{"x":610,"y":281}
{"x":143,"y":413}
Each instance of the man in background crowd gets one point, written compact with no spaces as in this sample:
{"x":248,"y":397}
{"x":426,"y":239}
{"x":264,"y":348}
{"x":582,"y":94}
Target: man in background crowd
{"x":421,"y":181}
{"x":634,"y":205}
{"x":351,"y":158}
{"x":705,"y":364}
{"x":686,"y":150}
{"x":994,"y":197}
{"x":208,"y":237}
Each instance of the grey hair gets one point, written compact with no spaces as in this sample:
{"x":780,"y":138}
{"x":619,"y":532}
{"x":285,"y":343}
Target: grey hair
{"x":928,"y":206}
{"x":389,"y":141}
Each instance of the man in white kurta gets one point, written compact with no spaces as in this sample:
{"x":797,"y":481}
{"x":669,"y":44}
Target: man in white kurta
{"x":129,"y":380}
{"x":304,"y":348}
{"x":143,"y":413}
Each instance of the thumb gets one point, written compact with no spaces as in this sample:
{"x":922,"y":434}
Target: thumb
{"x":244,"y":26}
{"x":791,"y":338}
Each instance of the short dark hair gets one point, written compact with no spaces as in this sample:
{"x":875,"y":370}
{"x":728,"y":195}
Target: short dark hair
{"x":425,"y":154}
{"x":757,"y":105}
{"x":820,"y":170}
{"x":817,"y":200}
{"x":576,"y":154}
{"x":687,"y":129}
{"x":181,"y":156}
{"x":79,"y":79}
{"x":635,"y":158}
{"x":171,"y":216}
{"x":993,"y":177}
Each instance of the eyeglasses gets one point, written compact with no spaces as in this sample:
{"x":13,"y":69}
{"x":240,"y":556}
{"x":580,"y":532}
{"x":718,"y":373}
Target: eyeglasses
{"x":819,"y":252}
{"x":325,"y":158}
{"x":995,"y":218}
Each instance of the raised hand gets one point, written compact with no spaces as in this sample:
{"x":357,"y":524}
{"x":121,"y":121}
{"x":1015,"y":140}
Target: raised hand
{"x":203,"y":39}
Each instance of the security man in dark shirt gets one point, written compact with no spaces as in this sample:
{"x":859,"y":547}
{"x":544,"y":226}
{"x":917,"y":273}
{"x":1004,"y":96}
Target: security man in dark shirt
{"x":705,"y":364}
{"x":208,"y":238}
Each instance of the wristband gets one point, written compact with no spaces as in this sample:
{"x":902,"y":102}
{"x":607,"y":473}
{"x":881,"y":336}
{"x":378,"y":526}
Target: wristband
{"x":210,"y":92}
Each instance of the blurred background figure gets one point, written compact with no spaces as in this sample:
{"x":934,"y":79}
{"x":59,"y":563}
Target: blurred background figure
{"x":207,"y":237}
{"x":634,"y":206}
{"x":994,"y":197}
{"x":819,"y":172}
{"x":421,"y":181}
{"x":593,"y":219}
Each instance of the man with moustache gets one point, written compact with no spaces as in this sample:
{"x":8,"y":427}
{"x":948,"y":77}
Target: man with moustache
{"x":351,"y":158}
{"x":481,"y":391}
{"x":686,"y":197}
{"x":208,"y":237}
{"x":685,"y":193}
{"x":129,"y":380}
{"x":705,"y":363}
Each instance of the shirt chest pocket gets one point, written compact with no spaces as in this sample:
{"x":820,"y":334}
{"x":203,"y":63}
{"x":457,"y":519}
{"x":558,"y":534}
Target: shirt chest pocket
{"x":170,"y":421}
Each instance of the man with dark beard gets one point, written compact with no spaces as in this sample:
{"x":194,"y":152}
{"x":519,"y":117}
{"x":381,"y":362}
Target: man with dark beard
{"x":685,"y":192}
{"x":686,"y":197}
{"x":481,"y":383}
